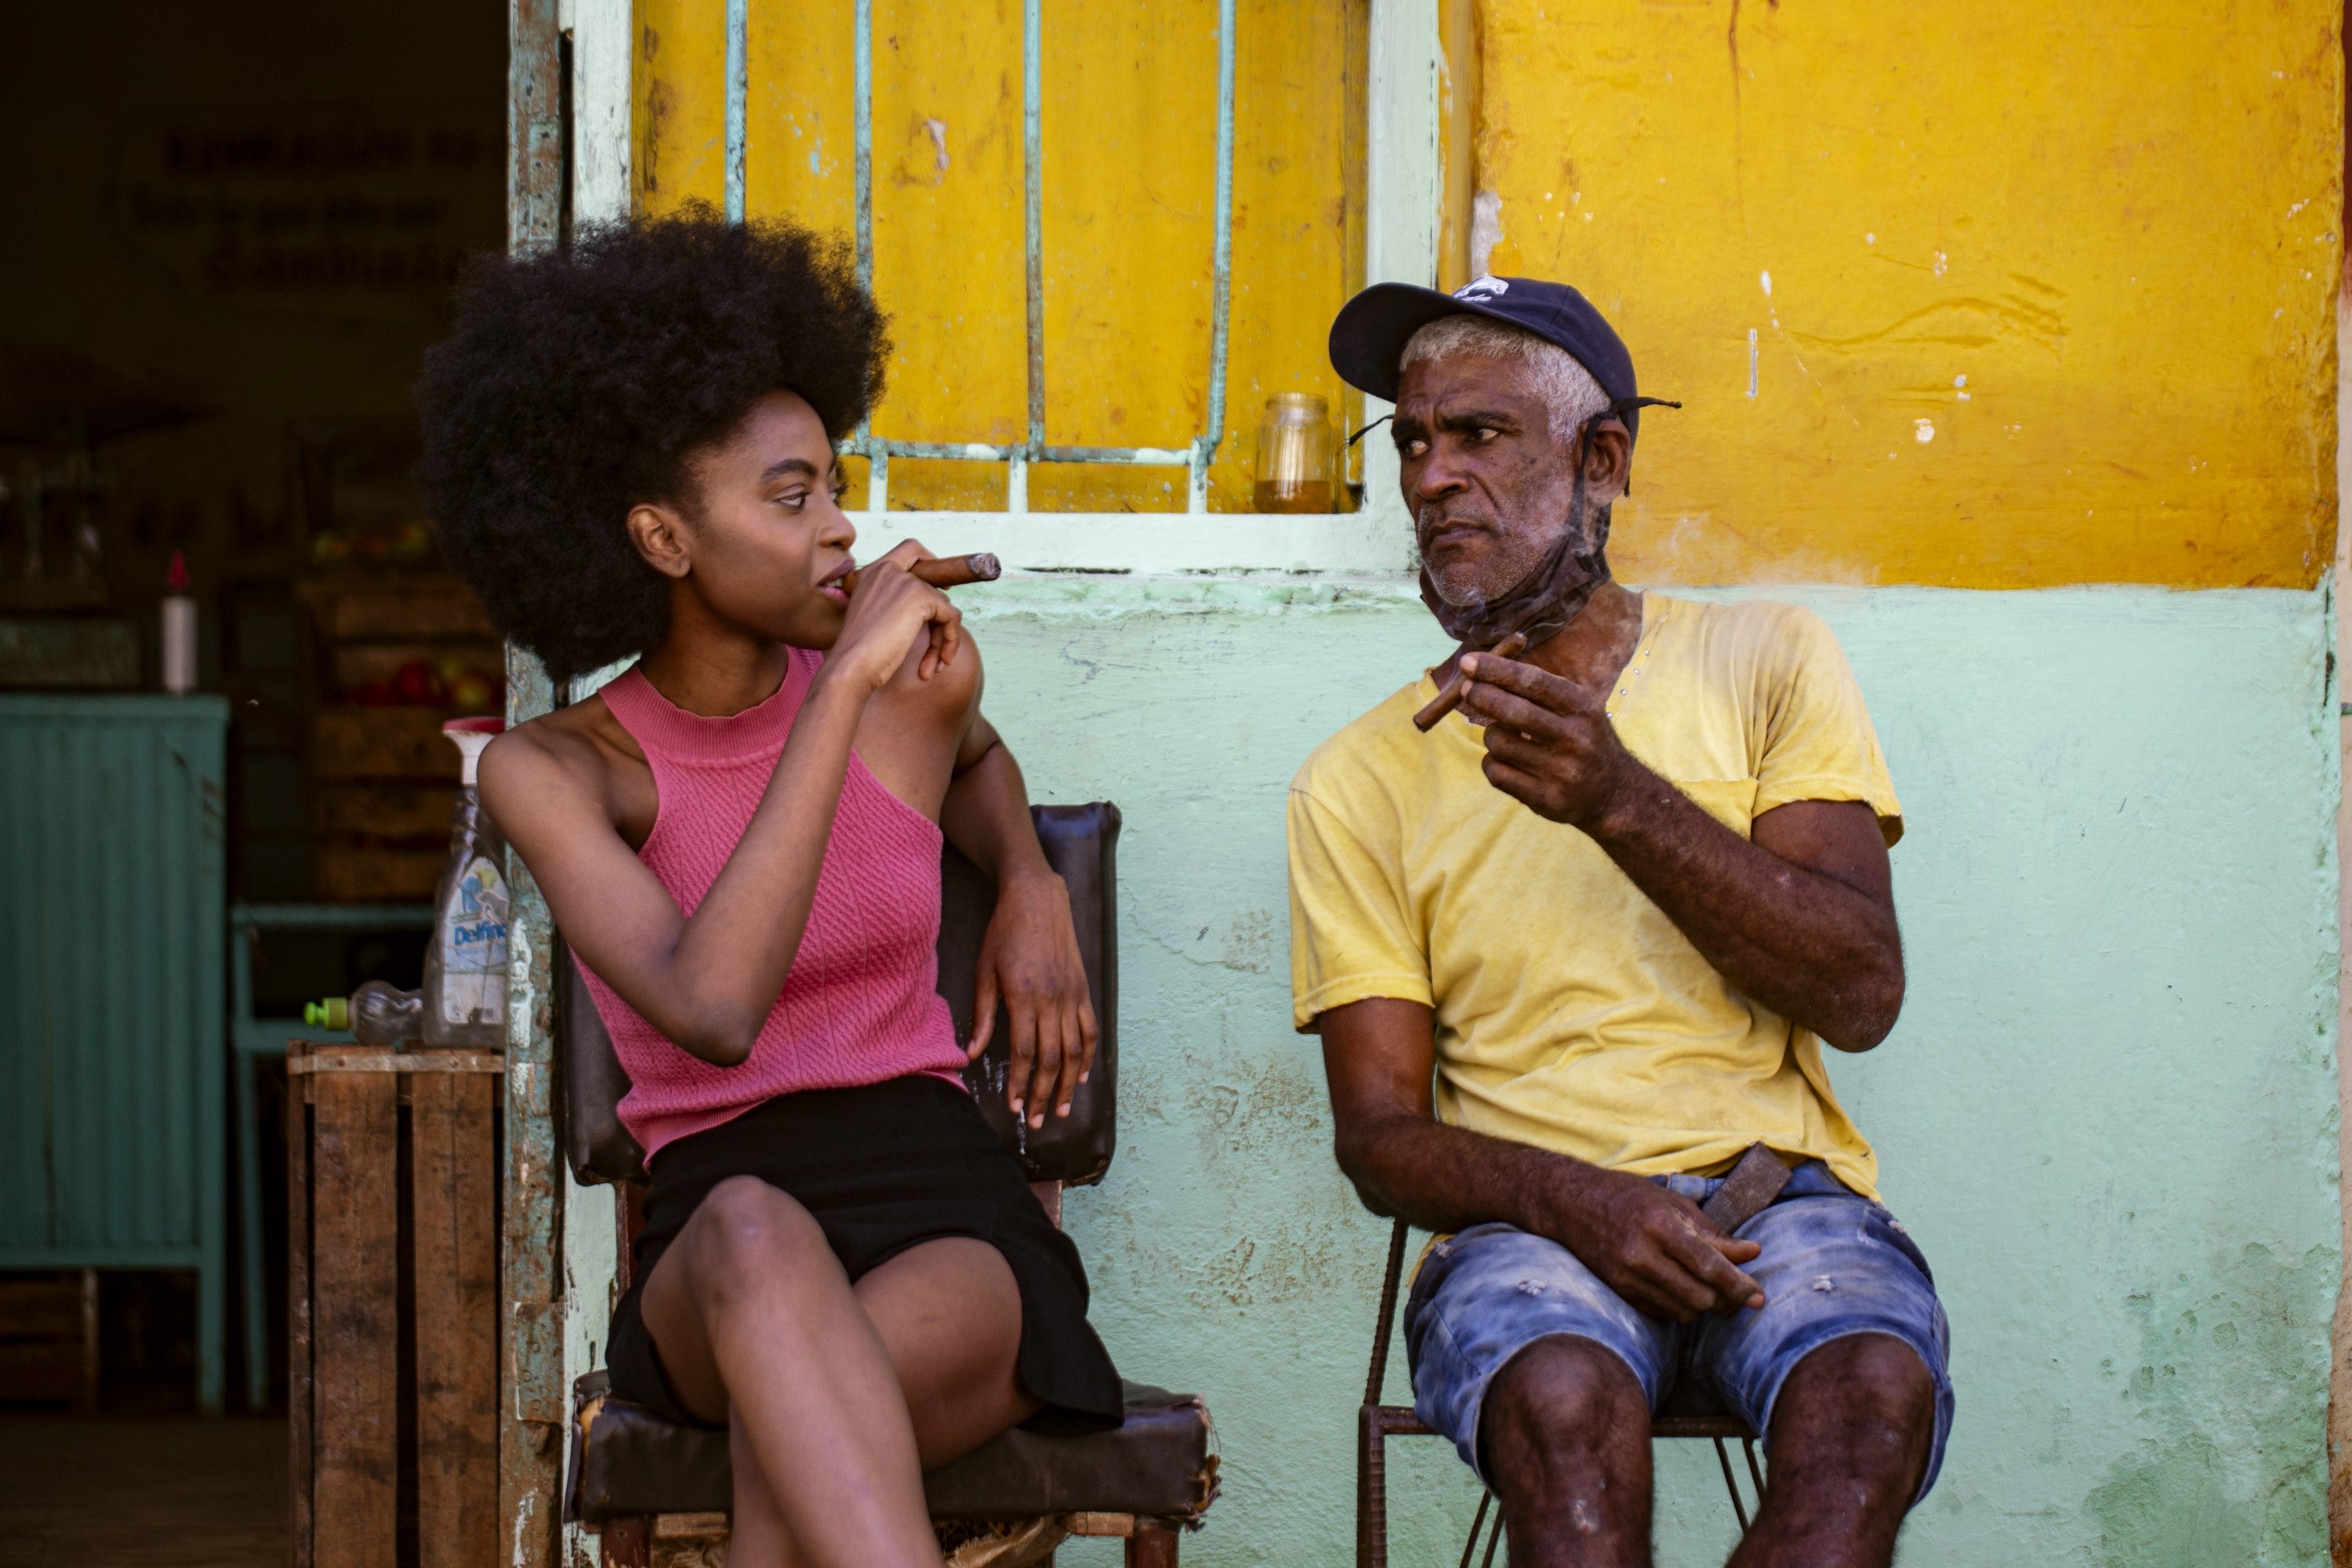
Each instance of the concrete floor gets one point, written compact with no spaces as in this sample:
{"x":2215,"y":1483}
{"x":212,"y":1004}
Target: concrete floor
{"x":143,"y":1491}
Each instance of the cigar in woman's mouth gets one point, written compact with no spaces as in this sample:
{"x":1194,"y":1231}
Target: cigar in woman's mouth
{"x":947,"y":571}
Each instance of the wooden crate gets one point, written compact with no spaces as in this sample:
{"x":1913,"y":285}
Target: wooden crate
{"x":355,"y":1113}
{"x":48,"y":1339}
{"x":358,"y":808}
{"x":354,"y":664}
{"x":379,"y":874}
{"x":377,"y":607}
{"x":382,"y":775}
{"x":352,"y":741}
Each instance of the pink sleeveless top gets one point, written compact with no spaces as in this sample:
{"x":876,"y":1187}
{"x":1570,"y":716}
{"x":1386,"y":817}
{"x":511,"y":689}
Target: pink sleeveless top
{"x":861,"y":1004}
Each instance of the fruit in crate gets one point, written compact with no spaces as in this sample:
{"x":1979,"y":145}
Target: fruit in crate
{"x":451,"y":680}
{"x":419,"y":683}
{"x":474,"y":693}
{"x":408,"y":544}
{"x":412,"y":541}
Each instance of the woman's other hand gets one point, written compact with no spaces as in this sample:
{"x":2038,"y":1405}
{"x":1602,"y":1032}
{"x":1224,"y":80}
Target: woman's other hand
{"x":1030,"y":960}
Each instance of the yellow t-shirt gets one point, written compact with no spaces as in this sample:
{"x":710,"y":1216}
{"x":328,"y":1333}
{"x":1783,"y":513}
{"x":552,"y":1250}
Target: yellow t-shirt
{"x":1570,"y":1013}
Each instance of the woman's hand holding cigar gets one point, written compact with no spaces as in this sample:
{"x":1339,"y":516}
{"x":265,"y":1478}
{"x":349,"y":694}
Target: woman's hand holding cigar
{"x":922,"y":576}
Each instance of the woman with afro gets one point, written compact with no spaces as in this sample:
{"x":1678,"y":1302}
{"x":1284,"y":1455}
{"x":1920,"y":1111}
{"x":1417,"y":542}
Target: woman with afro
{"x":629,"y":450}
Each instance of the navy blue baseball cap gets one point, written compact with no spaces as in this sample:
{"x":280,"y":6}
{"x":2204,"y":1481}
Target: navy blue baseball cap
{"x":1369,"y":336}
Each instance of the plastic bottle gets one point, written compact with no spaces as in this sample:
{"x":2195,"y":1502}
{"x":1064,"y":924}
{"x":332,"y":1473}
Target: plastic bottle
{"x":465,"y":965}
{"x":381,"y":1013}
{"x":179,"y":629}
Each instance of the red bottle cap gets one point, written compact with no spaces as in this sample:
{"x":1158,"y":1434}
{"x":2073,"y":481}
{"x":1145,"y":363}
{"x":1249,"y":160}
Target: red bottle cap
{"x":177,"y":577}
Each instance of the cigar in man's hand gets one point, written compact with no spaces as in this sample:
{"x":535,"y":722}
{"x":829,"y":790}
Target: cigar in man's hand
{"x":1450,"y":697}
{"x":946,"y":572}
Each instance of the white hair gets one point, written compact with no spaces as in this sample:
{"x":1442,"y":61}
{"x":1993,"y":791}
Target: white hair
{"x":1565,"y":388}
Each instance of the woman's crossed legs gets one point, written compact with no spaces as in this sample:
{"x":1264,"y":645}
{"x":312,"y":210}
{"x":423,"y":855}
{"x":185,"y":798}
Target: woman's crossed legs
{"x":837,"y":1397}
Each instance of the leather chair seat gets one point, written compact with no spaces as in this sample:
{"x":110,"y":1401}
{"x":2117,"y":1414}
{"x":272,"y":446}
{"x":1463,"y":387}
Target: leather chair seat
{"x":1160,"y":1465}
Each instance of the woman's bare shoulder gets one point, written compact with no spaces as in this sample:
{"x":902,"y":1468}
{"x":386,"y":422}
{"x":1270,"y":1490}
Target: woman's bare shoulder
{"x":580,"y":745}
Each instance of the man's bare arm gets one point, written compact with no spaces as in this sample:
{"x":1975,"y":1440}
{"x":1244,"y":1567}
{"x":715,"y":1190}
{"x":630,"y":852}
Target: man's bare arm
{"x":1800,"y":917}
{"x":1654,"y":1248}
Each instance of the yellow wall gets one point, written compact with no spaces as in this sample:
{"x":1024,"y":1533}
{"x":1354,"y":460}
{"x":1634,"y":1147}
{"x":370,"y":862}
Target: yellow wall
{"x":1129,"y":196}
{"x":2119,"y":223}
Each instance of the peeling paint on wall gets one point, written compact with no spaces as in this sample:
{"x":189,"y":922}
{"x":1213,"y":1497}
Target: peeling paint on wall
{"x":1486,"y":231}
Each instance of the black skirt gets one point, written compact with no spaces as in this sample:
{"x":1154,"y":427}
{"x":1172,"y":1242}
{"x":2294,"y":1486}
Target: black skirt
{"x":883,"y":1168}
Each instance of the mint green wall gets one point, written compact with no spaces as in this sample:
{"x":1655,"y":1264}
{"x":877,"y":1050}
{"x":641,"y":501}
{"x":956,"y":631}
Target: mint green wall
{"x":2108,"y":1113}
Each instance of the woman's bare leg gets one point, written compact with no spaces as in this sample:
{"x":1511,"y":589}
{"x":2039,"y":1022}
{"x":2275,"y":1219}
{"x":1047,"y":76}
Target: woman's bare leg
{"x":949,"y":1314}
{"x":756,"y":1326}
{"x":757,"y":1535}
{"x":835,"y":1397}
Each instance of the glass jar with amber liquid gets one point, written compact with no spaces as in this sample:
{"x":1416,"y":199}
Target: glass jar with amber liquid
{"x":1294,"y":454}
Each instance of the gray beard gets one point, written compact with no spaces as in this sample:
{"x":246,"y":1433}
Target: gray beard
{"x":1550,"y":595}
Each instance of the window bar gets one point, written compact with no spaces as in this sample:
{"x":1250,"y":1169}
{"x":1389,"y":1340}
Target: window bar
{"x":739,"y":78}
{"x":1204,"y":446}
{"x":877,"y":456}
{"x":1194,"y":459}
{"x":1032,"y":223}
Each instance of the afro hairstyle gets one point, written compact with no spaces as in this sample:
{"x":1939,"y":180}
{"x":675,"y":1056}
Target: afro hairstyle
{"x":579,"y":383}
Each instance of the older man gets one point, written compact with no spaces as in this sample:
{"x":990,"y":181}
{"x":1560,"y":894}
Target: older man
{"x":1614,"y":907}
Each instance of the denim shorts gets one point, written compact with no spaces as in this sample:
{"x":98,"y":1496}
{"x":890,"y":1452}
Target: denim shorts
{"x":1834,"y":1263}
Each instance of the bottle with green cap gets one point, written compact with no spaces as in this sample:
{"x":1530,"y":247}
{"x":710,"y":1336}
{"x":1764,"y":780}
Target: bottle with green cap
{"x":381,"y":1013}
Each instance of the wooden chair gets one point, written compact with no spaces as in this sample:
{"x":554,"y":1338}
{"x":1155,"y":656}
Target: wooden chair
{"x":1689,"y":1412}
{"x":659,"y":1493}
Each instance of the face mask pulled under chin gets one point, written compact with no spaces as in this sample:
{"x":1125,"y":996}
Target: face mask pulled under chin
{"x":1547,"y":598}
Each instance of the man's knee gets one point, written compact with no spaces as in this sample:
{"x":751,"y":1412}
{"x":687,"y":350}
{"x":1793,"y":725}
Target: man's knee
{"x":1561,"y":1401}
{"x":1877,"y":1378}
{"x":744,"y":1231}
{"x":1867,"y":1397}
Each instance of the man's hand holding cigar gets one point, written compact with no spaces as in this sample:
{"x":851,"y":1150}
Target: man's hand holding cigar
{"x":1549,"y":743}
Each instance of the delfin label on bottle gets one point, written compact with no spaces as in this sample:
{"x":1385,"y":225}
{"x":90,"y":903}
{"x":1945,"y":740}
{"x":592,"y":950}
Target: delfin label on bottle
{"x":474,"y":947}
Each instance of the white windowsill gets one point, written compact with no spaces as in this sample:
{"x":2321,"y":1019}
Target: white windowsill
{"x":1371,"y":544}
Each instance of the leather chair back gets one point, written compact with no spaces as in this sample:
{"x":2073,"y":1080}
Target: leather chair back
{"x":1081,"y":843}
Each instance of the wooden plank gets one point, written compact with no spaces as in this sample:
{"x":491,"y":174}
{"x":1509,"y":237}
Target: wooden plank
{"x":372,"y":608}
{"x":352,"y":874}
{"x":430,"y":1060}
{"x":688,"y":1526}
{"x":383,"y":810}
{"x":355,"y":1317}
{"x":454,"y":1171}
{"x":45,"y":1371}
{"x":352,"y":741}
{"x":299,"y":1428}
{"x":41,"y":1305}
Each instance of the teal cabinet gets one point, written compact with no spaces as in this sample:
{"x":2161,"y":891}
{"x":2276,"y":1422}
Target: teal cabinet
{"x":112,"y":1054}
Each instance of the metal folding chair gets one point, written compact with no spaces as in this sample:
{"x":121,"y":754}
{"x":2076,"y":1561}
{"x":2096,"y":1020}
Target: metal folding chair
{"x":1688,"y":1412}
